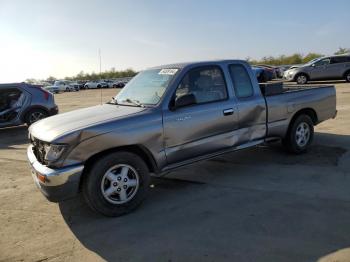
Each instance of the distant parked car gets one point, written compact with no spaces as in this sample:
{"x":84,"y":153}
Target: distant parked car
{"x":81,"y":84}
{"x":118,"y":84}
{"x":52,"y":89}
{"x":324,"y":68}
{"x":259,"y":73}
{"x":272,"y":69}
{"x":281,"y":69}
{"x":24,"y":104}
{"x":75,"y":85}
{"x":95,"y":84}
{"x":61,"y":86}
{"x":263,"y":74}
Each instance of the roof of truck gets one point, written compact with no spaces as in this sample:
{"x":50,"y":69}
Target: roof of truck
{"x":184,"y":64}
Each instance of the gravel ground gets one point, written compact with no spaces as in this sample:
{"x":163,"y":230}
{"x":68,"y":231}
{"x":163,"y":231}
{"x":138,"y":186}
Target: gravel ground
{"x":255,"y":205}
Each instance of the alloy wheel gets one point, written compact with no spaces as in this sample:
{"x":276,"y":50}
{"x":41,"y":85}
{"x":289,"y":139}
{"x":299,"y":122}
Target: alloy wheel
{"x":120,"y":184}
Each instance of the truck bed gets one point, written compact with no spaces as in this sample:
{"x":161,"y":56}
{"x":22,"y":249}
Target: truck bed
{"x":283,"y":101}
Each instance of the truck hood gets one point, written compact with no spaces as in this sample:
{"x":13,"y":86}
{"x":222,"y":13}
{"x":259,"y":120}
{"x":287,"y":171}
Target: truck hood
{"x":56,"y":126}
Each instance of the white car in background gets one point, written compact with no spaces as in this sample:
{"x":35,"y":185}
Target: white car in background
{"x":93,"y":84}
{"x":61,"y":86}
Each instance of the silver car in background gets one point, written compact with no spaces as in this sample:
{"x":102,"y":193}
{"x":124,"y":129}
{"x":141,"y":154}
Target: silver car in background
{"x":325,"y":68}
{"x":24,"y":104}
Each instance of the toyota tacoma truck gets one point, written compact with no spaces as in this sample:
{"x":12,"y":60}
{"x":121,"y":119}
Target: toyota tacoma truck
{"x":165,"y":118}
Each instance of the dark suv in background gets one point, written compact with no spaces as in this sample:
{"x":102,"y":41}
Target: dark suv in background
{"x":24,"y":104}
{"x":325,"y":68}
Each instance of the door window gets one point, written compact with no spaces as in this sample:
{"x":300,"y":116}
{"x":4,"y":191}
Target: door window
{"x":11,"y":101}
{"x":241,"y":81}
{"x":207,"y":84}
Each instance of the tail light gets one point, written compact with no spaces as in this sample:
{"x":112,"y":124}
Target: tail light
{"x":46,"y":94}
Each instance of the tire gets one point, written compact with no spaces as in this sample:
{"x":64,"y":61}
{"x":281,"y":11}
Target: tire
{"x":105,"y":195}
{"x":347,"y":76}
{"x":98,"y":86}
{"x":35,"y":115}
{"x":67,"y":89}
{"x":296,"y":140}
{"x":301,"y":79}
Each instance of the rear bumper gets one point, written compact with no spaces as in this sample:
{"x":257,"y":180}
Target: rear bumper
{"x":58,"y":184}
{"x":53,"y":111}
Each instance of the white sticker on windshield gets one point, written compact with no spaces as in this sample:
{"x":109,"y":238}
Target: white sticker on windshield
{"x":167,"y":71}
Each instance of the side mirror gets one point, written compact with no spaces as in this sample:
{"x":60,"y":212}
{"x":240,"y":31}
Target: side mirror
{"x":185,"y":100}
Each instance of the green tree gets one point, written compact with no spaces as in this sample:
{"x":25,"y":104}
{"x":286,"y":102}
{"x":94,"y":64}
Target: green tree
{"x":51,"y":79}
{"x":342,"y":51}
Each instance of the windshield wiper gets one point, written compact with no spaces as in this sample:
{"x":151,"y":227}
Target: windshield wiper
{"x":133,"y":101}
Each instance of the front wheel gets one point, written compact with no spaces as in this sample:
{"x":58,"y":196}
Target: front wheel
{"x":301,"y":79}
{"x":116,"y":184}
{"x":300,"y":135}
{"x":347,"y":76}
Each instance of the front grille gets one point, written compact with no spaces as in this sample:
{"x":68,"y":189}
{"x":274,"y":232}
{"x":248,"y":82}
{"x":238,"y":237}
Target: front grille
{"x":39,"y":150}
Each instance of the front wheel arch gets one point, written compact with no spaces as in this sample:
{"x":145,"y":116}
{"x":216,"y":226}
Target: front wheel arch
{"x":345,"y":74}
{"x":139,"y":150}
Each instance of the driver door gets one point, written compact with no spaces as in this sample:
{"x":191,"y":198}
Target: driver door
{"x":206,"y":126}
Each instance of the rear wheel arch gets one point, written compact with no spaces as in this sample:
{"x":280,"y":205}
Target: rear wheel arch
{"x":31,"y":108}
{"x":305,"y":111}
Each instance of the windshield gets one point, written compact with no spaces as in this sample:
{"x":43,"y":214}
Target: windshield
{"x":313,"y":60}
{"x":147,"y":87}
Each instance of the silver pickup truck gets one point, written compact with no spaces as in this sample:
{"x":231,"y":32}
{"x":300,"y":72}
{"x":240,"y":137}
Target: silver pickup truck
{"x":165,"y":118}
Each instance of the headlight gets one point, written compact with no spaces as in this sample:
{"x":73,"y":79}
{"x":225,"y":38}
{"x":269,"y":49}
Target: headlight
{"x":53,"y":152}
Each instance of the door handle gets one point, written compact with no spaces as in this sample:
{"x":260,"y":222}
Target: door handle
{"x":228,"y":111}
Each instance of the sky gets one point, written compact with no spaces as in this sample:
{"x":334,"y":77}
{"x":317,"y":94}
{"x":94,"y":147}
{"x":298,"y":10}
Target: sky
{"x":61,"y":38}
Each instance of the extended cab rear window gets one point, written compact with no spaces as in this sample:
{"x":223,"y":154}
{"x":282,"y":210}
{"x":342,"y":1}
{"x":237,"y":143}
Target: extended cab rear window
{"x":241,"y":81}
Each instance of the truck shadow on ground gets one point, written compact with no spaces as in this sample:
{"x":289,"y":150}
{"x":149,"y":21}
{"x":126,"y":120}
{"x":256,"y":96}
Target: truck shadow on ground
{"x":191,"y":220}
{"x":13,"y":136}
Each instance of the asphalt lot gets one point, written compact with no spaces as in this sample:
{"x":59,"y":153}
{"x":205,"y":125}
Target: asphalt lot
{"x":256,"y":205}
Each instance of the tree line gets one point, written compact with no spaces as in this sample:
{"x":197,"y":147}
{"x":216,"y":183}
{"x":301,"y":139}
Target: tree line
{"x":293,"y":59}
{"x":296,"y":58}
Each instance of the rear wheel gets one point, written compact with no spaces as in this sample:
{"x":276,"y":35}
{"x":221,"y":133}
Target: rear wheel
{"x":301,"y":79}
{"x":116,"y":184}
{"x":35,"y":115}
{"x":300,"y":135}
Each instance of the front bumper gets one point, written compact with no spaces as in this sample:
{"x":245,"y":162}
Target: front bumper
{"x":59,"y":184}
{"x":288,"y":77}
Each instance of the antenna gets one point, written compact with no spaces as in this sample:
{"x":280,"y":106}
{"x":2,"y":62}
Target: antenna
{"x":99,"y":55}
